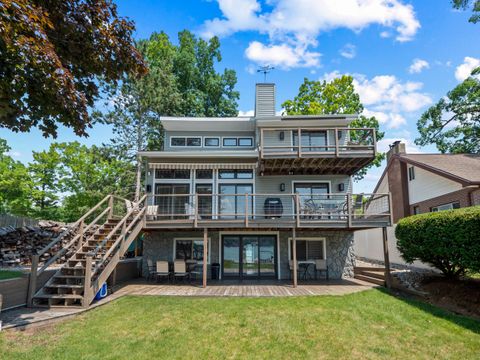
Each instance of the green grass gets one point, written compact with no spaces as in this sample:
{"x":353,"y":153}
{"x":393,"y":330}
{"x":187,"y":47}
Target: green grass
{"x":10,"y":274}
{"x":366,"y":325}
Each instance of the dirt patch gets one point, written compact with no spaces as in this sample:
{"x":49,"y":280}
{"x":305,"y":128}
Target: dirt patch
{"x":459,"y":296}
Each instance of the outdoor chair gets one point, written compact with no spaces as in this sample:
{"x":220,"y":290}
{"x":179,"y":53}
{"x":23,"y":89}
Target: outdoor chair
{"x":162,"y":270}
{"x":151,"y":269}
{"x":300,"y":270}
{"x":152,"y":211}
{"x":180,"y":270}
{"x":321,"y":266}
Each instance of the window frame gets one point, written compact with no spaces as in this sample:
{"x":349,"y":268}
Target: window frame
{"x":229,"y":138}
{"x":451,"y":204}
{"x":245,"y":138}
{"x":186,"y":142}
{"x":307,"y":240}
{"x":192,"y":239}
{"x":211,"y":137}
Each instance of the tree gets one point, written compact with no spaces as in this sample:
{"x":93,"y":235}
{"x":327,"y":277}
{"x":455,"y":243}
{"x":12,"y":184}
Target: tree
{"x":52,"y":56}
{"x":15,"y":184}
{"x":45,"y":172}
{"x":465,"y":4}
{"x":453,"y":124}
{"x":182,"y":81}
{"x":335,"y":97}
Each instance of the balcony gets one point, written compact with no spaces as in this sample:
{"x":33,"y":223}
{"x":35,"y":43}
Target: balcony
{"x":315,"y":151}
{"x":322,"y":211}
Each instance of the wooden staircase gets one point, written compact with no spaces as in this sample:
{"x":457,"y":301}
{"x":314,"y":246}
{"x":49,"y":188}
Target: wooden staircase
{"x":374,"y":275}
{"x":95,"y":258}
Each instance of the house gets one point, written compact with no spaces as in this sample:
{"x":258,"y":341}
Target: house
{"x":421,"y":183}
{"x":241,"y":191}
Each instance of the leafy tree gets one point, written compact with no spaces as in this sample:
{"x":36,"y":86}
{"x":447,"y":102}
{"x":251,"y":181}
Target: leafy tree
{"x":453,"y":124}
{"x":15,"y":184}
{"x":182,"y":81}
{"x":465,"y":4}
{"x":52,"y":54}
{"x":335,"y":97}
{"x":45,"y":171}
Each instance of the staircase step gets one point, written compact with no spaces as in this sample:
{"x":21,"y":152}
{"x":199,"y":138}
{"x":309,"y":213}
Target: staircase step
{"x":58,"y":296}
{"x":368,"y":268}
{"x":62,"y":276}
{"x":375,"y":274}
{"x":64,"y":286}
{"x":369,"y":279}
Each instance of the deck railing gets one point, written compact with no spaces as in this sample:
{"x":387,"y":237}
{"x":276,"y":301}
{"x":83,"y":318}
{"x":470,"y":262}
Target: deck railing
{"x":340,"y":210}
{"x":299,"y":142}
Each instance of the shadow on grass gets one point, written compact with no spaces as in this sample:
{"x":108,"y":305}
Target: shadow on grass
{"x":460,"y":320}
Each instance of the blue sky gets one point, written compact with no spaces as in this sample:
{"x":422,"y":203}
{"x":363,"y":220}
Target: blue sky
{"x":404,"y":55}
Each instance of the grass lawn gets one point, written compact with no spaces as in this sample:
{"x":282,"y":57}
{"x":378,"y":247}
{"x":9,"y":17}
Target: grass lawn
{"x":10,"y":274}
{"x":365,"y":325}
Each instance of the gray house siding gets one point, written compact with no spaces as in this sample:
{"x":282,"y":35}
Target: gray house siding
{"x":158,"y":245}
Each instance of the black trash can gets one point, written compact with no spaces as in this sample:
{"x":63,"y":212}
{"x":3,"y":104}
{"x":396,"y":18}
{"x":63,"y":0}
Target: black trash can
{"x":215,"y":271}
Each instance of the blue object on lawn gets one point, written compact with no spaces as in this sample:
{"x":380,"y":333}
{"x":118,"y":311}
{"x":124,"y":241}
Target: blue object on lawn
{"x":102,"y":292}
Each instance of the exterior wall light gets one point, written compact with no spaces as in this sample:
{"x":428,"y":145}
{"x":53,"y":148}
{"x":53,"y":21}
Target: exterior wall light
{"x":341,"y":187}
{"x":282,"y":187}
{"x":281,"y":135}
{"x":149,"y":188}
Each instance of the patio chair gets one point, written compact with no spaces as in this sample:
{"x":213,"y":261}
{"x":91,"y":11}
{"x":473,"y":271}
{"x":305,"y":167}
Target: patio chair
{"x":152,"y":211}
{"x":300,"y":270}
{"x":180,"y":270}
{"x":162,"y":270}
{"x":321,"y":266}
{"x":151,"y":269}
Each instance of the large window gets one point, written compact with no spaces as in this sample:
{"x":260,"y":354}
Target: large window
{"x":449,"y":206}
{"x":308,"y":249}
{"x":190,"y":249}
{"x":172,"y":174}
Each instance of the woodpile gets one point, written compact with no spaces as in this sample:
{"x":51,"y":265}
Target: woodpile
{"x":17,"y":245}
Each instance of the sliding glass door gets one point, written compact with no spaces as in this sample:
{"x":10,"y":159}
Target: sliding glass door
{"x":311,"y":140}
{"x":249,"y":256}
{"x":231,"y":205}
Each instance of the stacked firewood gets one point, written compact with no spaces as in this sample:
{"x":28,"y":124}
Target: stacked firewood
{"x":17,"y":245}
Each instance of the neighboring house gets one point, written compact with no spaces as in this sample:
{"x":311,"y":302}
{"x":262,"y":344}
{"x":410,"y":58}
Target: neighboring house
{"x":251,"y":186}
{"x":421,"y":183}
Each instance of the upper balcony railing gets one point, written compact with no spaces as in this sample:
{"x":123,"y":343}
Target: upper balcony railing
{"x":310,"y":142}
{"x":269,"y":210}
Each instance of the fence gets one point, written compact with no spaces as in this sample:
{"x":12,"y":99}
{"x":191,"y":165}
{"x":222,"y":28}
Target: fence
{"x":16,"y":221}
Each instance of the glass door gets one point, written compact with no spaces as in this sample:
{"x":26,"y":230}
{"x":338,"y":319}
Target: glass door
{"x":232,"y":206}
{"x":313,"y":198}
{"x":205,"y":199}
{"x":173,"y":205}
{"x":249,"y":256}
{"x":231,"y":256}
{"x":311,"y":140}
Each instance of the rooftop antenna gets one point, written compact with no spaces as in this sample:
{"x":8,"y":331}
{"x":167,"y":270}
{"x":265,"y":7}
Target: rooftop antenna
{"x":265,"y":70}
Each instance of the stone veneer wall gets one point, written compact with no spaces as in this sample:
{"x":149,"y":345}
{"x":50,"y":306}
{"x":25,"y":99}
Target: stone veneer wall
{"x":158,"y":245}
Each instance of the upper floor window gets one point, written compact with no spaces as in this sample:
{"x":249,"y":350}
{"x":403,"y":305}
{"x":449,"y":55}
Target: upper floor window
{"x":238,"y":141}
{"x":211,"y":142}
{"x":182,"y":141}
{"x":172,"y":174}
{"x":229,"y":141}
{"x":204,"y":174}
{"x":245,"y":142}
{"x":235,"y":174}
{"x":411,"y":173}
{"x":449,"y":206}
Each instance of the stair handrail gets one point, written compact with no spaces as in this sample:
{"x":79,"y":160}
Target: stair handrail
{"x":73,"y":241}
{"x":120,"y":223}
{"x":119,"y":240}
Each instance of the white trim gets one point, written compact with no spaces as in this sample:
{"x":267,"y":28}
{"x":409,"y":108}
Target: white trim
{"x":248,"y":232}
{"x":193,"y":239}
{"x":329,"y":182}
{"x":237,"y":137}
{"x":324,"y":239}
{"x":211,"y":137}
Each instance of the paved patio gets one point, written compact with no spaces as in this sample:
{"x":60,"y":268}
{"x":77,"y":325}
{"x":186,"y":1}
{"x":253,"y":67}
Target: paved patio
{"x":26,"y":317}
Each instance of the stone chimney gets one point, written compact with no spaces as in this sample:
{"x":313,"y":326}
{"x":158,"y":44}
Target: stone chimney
{"x":264,"y":100}
{"x":396,"y":148}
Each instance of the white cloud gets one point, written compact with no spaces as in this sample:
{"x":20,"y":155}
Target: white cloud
{"x":14,"y":154}
{"x":349,"y":51}
{"x":246,"y":113}
{"x":464,"y":70}
{"x":385,"y":34}
{"x":283,"y":56}
{"x":294,"y":26}
{"x":418,"y":65}
{"x":386,"y":97}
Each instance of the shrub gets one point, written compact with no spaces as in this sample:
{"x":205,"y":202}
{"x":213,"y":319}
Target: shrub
{"x":448,"y":240}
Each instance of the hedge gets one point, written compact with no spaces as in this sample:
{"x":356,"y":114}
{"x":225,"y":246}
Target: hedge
{"x":448,"y":240}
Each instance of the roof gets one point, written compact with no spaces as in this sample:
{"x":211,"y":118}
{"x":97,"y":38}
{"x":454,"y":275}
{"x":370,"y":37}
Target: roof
{"x":462,"y":168}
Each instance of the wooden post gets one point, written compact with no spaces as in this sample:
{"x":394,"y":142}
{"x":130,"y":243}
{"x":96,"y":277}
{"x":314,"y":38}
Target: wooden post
{"x":388,"y":279}
{"x":349,"y":209}
{"x":81,"y":228}
{"x":374,"y":135}
{"x":110,"y":205}
{"x":390,"y":210}
{"x":87,"y":280}
{"x":297,"y":208}
{"x":205,"y":256}
{"x":195,"y":218}
{"x":294,"y":256}
{"x":246,"y":210}
{"x":32,"y":280}
{"x":336,"y":142}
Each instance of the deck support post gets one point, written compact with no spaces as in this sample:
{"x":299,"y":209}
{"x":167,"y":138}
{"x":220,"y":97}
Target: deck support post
{"x":110,"y":205}
{"x":388,"y":278}
{"x":87,"y":281}
{"x":32,"y":280}
{"x":294,"y":256}
{"x":205,"y":256}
